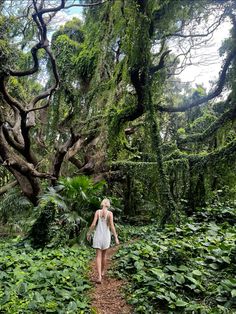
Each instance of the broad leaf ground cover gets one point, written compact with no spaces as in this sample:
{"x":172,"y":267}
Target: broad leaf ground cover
{"x":186,"y":269}
{"x":48,"y":281}
{"x":189,"y":268}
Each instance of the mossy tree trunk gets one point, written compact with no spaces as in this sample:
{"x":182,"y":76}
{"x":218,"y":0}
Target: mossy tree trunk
{"x":143,"y":84}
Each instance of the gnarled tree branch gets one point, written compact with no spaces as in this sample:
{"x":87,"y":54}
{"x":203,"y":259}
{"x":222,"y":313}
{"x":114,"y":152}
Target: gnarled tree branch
{"x":35,"y":67}
{"x":161,"y":63}
{"x":220,"y":85}
{"x":86,"y":5}
{"x":224,"y":118}
{"x":7,"y":187}
{"x":12,"y":102}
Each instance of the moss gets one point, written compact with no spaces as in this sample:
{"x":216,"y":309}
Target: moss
{"x":86,"y":62}
{"x":115,"y":60}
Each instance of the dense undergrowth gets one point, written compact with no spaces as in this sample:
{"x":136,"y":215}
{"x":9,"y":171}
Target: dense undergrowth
{"x":48,"y":281}
{"x":188,"y":268}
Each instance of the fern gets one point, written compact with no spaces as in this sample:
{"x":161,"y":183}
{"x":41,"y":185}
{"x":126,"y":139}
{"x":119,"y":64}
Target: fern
{"x":15,"y":209}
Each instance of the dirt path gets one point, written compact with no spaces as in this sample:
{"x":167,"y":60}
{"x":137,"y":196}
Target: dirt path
{"x":107,"y":297}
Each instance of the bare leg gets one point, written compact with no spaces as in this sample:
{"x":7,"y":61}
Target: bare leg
{"x":99,"y":263}
{"x":104,"y":261}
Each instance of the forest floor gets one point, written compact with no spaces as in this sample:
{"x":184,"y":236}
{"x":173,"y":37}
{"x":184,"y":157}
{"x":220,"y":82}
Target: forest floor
{"x":107,"y":297}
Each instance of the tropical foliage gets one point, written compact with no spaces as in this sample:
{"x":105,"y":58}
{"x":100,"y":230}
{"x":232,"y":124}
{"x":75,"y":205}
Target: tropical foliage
{"x":95,"y":107}
{"x":107,"y":102}
{"x":48,"y":281}
{"x":64,"y":211}
{"x":189,"y":268}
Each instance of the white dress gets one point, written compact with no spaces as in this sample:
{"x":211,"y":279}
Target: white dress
{"x":102,"y":235}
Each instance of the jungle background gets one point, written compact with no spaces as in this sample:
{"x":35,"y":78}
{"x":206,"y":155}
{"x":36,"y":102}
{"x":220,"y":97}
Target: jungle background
{"x":95,"y":107}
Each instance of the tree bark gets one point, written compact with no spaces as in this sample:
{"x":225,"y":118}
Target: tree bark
{"x":7,"y":187}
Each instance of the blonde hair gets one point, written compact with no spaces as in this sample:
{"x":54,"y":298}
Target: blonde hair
{"x":107,"y":201}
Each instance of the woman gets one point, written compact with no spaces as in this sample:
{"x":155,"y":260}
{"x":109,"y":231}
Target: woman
{"x":103,"y":221}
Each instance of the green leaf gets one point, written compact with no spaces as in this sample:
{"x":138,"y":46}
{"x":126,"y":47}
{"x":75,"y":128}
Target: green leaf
{"x":3,"y":275}
{"x":179,"y":278}
{"x":38,"y":297}
{"x":193,"y":280}
{"x":192,"y":287}
{"x":139,"y":265}
{"x":171,"y":267}
{"x":183,"y":268}
{"x":81,"y":305}
{"x":163,"y":297}
{"x":193,"y":227}
{"x":72,"y":306}
{"x":196,"y":272}
{"x":6,"y":297}
{"x":173,"y":296}
{"x":214,"y":266}
{"x":181,"y":303}
{"x":158,"y":272}
{"x":226,"y":259}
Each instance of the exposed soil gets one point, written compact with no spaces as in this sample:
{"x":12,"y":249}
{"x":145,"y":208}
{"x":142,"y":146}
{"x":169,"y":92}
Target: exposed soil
{"x":107,"y":297}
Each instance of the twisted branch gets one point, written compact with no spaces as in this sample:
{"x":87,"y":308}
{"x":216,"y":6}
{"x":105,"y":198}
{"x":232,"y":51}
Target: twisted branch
{"x":220,"y":85}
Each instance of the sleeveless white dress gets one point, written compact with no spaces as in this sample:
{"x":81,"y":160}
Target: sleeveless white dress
{"x":102,"y":235}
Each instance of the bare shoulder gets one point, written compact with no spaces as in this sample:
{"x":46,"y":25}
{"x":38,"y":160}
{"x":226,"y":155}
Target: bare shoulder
{"x":96,"y":213}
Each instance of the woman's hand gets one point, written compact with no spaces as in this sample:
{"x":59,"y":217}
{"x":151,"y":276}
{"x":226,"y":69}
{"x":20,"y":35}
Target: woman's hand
{"x":117,"y":240}
{"x":88,"y":237}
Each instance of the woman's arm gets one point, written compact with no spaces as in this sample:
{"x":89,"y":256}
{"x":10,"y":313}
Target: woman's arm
{"x":113,"y":229}
{"x":93,"y":225}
